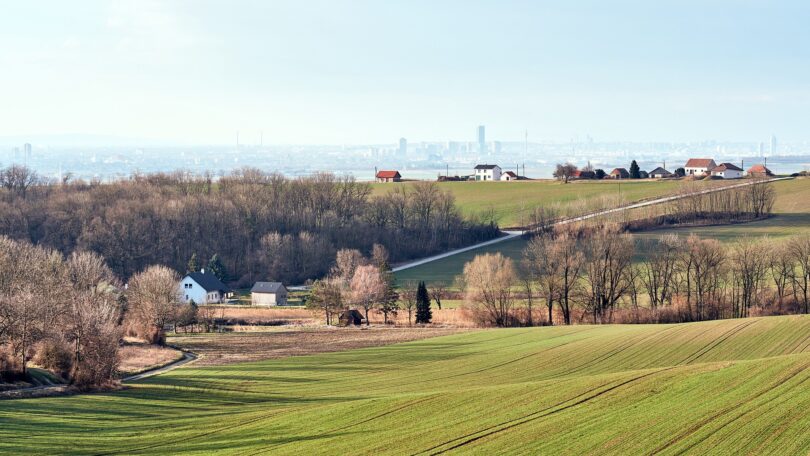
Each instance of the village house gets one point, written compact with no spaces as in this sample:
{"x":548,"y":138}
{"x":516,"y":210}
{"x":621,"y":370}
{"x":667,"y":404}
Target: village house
{"x":699,"y":166}
{"x":727,"y":171}
{"x":619,"y":173}
{"x":487,"y":173}
{"x":509,"y":176}
{"x":660,"y":173}
{"x":388,"y":176}
{"x":759,"y":170}
{"x":268,"y":294}
{"x":203,"y":288}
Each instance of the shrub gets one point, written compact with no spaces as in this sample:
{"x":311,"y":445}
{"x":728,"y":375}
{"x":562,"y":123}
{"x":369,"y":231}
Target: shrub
{"x":54,"y":355}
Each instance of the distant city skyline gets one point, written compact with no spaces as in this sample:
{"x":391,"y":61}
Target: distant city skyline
{"x":370,"y":72}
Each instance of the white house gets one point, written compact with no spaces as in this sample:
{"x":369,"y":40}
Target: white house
{"x":509,"y":176}
{"x":727,"y":171}
{"x":487,"y":173}
{"x":268,"y":294}
{"x":203,"y":288}
{"x":699,"y":166}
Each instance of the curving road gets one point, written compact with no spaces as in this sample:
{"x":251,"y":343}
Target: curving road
{"x":513,"y":234}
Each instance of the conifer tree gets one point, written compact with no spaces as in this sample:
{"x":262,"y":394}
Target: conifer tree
{"x":192,"y":265}
{"x":423,"y":313}
{"x":217,"y":268}
{"x":635,"y":173}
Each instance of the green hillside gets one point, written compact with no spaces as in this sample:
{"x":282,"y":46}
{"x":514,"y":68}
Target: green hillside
{"x":510,"y":202}
{"x":725,"y":387}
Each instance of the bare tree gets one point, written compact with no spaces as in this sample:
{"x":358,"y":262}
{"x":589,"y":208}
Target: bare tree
{"x":407,"y":295}
{"x":800,"y":248}
{"x":705,"y":271}
{"x":367,"y":288}
{"x":608,"y":255}
{"x":326,"y":296}
{"x":543,"y":268}
{"x":749,"y":266}
{"x":659,"y":269}
{"x":782,"y":267}
{"x":488,"y":281}
{"x":438,"y":290}
{"x":567,"y":257}
{"x":564,"y":172}
{"x":154,"y":297}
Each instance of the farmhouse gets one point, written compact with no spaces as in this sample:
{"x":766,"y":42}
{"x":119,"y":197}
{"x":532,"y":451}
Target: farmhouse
{"x":699,"y":166}
{"x":203,"y":288}
{"x":388,"y":176}
{"x":509,"y":176}
{"x":619,"y":173}
{"x":727,"y":171}
{"x":487,"y":173}
{"x":759,"y":171}
{"x":660,"y":173}
{"x":268,"y":294}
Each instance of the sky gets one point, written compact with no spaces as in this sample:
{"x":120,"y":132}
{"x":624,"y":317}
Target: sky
{"x":363,"y":72}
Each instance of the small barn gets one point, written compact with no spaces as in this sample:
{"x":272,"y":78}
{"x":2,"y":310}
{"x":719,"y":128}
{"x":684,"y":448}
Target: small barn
{"x":268,"y":294}
{"x":350,"y":317}
{"x":509,"y":176}
{"x":619,"y":173}
{"x":727,"y":171}
{"x":388,"y":176}
{"x":759,"y":171}
{"x":660,"y":173}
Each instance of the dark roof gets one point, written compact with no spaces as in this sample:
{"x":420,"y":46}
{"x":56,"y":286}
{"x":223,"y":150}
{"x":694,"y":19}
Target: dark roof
{"x":727,"y":166}
{"x":209,"y":281}
{"x":511,"y":174}
{"x":267,"y":287}
{"x":388,"y":174}
{"x":486,"y":166}
{"x":699,"y":163}
{"x":619,"y":171}
{"x":659,"y":170}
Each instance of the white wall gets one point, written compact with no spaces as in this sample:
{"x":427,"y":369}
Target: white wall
{"x":191,"y":290}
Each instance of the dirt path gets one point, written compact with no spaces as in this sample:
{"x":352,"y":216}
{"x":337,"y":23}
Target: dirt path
{"x":187,"y":358}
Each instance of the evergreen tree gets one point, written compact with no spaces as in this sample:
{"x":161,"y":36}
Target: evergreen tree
{"x":423,"y":312}
{"x":217,"y":267}
{"x":634,"y":171}
{"x":192,"y":265}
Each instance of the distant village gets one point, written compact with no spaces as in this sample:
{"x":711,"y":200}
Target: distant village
{"x":694,"y":167}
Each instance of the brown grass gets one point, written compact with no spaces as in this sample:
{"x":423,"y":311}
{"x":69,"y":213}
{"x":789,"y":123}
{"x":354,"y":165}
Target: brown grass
{"x":137,"y":357}
{"x":227,"y":348}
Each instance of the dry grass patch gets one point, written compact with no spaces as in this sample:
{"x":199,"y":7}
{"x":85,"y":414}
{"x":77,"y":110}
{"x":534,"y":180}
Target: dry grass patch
{"x":136,"y":357}
{"x":228,"y":348}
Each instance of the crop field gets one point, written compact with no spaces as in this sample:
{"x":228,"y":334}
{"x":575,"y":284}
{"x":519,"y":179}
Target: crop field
{"x":725,"y":387}
{"x":509,"y":202}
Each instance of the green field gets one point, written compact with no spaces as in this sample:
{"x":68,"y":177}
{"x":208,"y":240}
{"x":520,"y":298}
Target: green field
{"x":510,"y":202}
{"x":725,"y":387}
{"x":791,"y":216}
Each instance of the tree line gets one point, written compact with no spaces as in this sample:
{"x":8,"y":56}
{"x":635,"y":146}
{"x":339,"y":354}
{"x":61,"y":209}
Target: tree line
{"x":594,"y":279}
{"x":262,"y":225}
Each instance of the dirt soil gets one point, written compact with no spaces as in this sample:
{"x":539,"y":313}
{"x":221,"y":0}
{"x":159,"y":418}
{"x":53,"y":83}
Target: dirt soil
{"x":137,"y":357}
{"x":228,"y":348}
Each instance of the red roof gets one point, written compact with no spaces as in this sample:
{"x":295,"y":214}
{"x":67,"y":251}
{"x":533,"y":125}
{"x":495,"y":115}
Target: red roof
{"x":727,"y":167}
{"x":511,"y":174}
{"x":759,"y":169}
{"x":699,"y":163}
{"x":388,"y":174}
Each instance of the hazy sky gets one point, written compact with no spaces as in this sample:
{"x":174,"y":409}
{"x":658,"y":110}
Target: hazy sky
{"x":337,"y":72}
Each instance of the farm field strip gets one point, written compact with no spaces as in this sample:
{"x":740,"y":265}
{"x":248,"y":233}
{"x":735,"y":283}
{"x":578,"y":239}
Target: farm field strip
{"x":727,"y":386}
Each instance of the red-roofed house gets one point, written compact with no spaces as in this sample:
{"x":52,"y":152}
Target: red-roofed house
{"x":388,"y":176}
{"x":619,"y":173}
{"x":759,"y":171}
{"x":727,"y":171}
{"x":699,"y":166}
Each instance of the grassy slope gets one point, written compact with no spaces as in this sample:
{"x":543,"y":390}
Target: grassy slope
{"x":792,"y":215}
{"x":507,"y":200}
{"x":730,"y":387}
